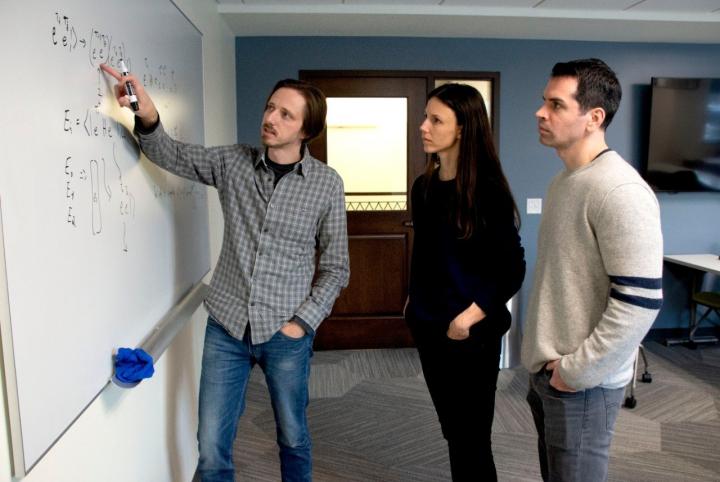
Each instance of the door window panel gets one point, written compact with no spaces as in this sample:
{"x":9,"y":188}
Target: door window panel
{"x":367,"y":146}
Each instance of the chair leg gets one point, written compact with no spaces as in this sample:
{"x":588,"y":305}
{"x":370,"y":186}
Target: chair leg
{"x":630,"y":401}
{"x":696,"y":324}
{"x":646,"y":376}
{"x":693,"y":340}
{"x":693,"y":321}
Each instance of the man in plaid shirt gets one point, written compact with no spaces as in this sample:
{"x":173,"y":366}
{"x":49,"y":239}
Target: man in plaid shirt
{"x":283,"y":262}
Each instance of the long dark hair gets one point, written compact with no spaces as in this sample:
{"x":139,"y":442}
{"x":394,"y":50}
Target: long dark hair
{"x":478,"y":159}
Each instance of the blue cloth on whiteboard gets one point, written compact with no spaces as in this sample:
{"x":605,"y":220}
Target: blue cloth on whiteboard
{"x":132,"y":365}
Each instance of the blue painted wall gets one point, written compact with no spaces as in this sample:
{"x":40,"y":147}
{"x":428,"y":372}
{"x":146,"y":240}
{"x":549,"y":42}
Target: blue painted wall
{"x":690,"y":221}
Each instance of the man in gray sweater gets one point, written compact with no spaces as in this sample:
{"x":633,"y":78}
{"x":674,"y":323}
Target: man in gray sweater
{"x":598,"y":277}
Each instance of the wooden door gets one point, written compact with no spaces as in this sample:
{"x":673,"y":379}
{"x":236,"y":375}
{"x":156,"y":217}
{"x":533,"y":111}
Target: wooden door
{"x":369,"y":312}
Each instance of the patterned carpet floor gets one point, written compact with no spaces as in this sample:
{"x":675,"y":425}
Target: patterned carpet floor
{"x":372,"y":419}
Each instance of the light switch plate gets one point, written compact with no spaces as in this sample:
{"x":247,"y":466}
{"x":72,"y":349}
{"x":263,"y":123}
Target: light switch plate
{"x":534,"y":205}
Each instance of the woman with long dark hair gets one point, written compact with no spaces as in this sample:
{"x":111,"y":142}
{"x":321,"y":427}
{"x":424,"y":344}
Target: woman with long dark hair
{"x":467,"y":263}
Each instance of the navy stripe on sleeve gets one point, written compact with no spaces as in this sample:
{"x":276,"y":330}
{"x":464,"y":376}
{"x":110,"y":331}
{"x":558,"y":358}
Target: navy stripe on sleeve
{"x":637,"y":282}
{"x":641,"y":301}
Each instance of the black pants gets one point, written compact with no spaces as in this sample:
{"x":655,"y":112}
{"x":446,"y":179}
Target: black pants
{"x":462,"y":377}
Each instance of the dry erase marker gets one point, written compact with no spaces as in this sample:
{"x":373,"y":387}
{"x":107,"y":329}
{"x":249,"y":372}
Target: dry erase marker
{"x":129,"y":88}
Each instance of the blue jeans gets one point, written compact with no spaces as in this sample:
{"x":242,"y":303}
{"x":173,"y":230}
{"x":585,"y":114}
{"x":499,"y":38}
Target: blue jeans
{"x":574,"y":429}
{"x":226,"y":367}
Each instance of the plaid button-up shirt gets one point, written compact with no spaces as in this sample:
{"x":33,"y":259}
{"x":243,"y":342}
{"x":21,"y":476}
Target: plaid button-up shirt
{"x":266,"y":273}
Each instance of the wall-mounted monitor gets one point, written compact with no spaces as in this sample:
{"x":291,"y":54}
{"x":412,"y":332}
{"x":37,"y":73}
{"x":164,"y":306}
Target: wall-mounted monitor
{"x":684,"y":139}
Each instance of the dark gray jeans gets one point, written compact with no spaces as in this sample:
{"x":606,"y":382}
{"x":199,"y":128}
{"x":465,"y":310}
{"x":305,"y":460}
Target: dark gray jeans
{"x":574,"y":429}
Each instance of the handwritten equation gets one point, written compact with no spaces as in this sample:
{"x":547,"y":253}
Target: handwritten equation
{"x":104,"y":187}
{"x":95,"y":192}
{"x":99,"y":45}
{"x":101,"y":49}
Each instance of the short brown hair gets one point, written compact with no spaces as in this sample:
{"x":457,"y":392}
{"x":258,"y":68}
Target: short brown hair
{"x":315,"y":106}
{"x":598,"y":86}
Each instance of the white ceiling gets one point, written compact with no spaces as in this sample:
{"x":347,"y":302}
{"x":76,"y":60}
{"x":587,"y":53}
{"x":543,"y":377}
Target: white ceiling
{"x":694,"y":21}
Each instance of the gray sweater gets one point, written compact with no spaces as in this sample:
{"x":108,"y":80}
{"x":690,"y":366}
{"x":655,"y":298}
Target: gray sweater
{"x":598,"y":278}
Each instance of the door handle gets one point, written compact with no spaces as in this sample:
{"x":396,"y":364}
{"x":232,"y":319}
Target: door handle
{"x":407,"y":224}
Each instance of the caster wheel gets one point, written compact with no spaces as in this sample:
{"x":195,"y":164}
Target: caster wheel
{"x":630,"y":402}
{"x":646,"y":378}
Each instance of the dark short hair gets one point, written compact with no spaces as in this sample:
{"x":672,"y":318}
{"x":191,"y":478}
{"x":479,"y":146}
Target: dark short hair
{"x":315,"y":106}
{"x":598,"y":86}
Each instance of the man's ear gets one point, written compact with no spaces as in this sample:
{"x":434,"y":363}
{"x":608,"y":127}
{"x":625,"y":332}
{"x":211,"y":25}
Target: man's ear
{"x":597,"y":117}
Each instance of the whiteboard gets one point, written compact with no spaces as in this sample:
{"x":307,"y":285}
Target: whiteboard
{"x":98,"y":243}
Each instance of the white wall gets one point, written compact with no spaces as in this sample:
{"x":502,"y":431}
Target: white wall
{"x":148,"y":433}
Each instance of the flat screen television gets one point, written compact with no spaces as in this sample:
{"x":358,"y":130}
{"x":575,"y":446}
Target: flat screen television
{"x":684,"y":138}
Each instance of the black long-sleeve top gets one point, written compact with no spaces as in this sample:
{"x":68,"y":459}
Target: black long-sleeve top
{"x":447,"y":273}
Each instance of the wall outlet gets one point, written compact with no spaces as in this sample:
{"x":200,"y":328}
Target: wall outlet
{"x":534,"y":205}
